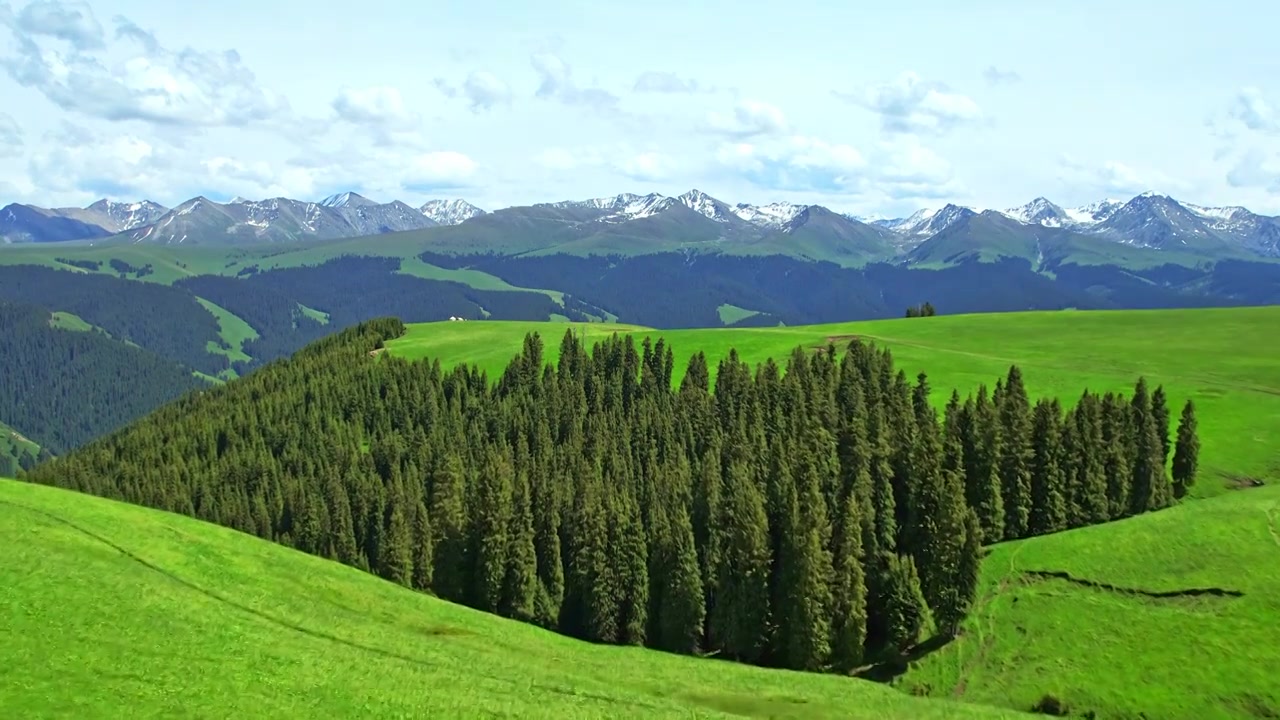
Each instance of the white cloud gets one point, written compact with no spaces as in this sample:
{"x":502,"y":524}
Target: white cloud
{"x":909,"y":104}
{"x":1254,"y":168}
{"x":1251,"y":109}
{"x":484,"y":90}
{"x":664,"y":82}
{"x":749,"y":118}
{"x":556,"y":83}
{"x":10,"y":136}
{"x":72,"y":22}
{"x":77,"y":162}
{"x":647,"y":166}
{"x":151,"y":83}
{"x":995,"y":76}
{"x":896,"y":168}
{"x":1113,"y":176}
{"x":375,"y":105}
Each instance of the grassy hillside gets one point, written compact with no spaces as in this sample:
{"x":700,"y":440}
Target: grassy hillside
{"x":1224,"y":359}
{"x":1115,"y":650}
{"x":120,"y":611}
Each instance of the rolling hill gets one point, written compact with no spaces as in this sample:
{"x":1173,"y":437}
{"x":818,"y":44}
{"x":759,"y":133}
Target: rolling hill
{"x":119,"y":611}
{"x":1167,"y":615}
{"x":1223,"y":359}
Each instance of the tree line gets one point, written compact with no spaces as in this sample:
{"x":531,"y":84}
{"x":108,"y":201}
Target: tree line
{"x":817,"y":514}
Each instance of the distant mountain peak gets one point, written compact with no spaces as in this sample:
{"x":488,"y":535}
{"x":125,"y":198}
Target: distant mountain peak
{"x":450,"y":212}
{"x":346,"y":199}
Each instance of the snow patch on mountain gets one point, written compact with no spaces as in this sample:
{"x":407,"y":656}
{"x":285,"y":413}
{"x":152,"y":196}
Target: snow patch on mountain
{"x":450,"y":212}
{"x":773,"y":215}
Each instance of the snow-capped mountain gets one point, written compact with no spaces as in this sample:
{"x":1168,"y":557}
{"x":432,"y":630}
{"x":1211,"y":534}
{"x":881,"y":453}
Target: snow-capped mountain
{"x":119,"y":216}
{"x":450,"y":212}
{"x":928,"y":221}
{"x":1040,"y":212}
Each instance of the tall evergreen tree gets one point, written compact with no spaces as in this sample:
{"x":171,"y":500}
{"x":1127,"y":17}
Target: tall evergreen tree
{"x":980,"y":434}
{"x":1048,"y":499}
{"x":423,"y":549}
{"x":490,"y":522}
{"x":904,"y":604}
{"x":1150,"y":487}
{"x":396,"y":554}
{"x":1160,"y":411}
{"x":452,"y":576}
{"x":848,"y":587}
{"x":742,"y":598}
{"x":1186,"y":455}
{"x":520,"y":585}
{"x":1015,"y":454}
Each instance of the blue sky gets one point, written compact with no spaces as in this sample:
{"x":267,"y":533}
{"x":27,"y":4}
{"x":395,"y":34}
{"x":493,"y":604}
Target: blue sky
{"x":870,"y":108}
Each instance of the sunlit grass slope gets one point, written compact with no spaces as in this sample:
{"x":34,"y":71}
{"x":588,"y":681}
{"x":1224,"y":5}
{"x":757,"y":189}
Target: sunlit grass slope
{"x":1227,"y":360}
{"x":112,"y":610}
{"x":1121,"y":653}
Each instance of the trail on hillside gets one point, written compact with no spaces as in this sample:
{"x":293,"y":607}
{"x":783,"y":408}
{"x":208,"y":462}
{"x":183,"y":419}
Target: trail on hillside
{"x":1272,"y":522}
{"x":523,"y":684}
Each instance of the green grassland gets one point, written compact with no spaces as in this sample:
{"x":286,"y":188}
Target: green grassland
{"x":1119,"y":652}
{"x":68,"y":321}
{"x":1223,"y":359}
{"x":114,"y":610}
{"x":233,"y":331}
{"x":12,"y":443}
{"x":730,"y":314}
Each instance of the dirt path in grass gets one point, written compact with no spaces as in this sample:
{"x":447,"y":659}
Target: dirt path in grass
{"x":1271,"y":522}
{"x":988,"y":638}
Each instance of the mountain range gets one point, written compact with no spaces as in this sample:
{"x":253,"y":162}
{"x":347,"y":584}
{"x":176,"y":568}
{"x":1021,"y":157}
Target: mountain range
{"x":1148,"y":221}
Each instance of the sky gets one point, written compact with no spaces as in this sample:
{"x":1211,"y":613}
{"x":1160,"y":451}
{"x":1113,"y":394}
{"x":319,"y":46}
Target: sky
{"x":869,"y":108}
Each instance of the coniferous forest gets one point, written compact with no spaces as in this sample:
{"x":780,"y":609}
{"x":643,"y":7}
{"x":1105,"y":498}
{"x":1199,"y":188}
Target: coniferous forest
{"x":814,"y":513}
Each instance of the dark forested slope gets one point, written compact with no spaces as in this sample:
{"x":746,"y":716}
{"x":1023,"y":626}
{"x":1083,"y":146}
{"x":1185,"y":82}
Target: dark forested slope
{"x":62,"y":388}
{"x":813,"y":519}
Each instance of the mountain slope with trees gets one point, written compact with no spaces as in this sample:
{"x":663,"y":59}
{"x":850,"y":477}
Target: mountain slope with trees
{"x":820,"y":517}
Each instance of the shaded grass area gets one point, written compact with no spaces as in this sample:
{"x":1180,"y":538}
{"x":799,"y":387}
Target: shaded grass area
{"x":1223,"y":359}
{"x":1171,"y":614}
{"x":119,"y":611}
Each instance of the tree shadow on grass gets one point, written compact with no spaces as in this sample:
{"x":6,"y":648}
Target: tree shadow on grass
{"x":890,"y":669}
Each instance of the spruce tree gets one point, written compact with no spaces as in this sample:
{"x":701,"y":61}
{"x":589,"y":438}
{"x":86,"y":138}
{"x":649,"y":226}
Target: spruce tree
{"x":904,"y":605}
{"x":423,"y":549}
{"x":1150,"y":487}
{"x":937,"y":533}
{"x":682,"y":611}
{"x":805,"y":612}
{"x":1160,"y":411}
{"x":1090,"y":458}
{"x":980,"y":434}
{"x":1015,"y":454}
{"x":490,"y":521}
{"x":742,"y":596}
{"x":395,"y":555}
{"x":848,"y":587}
{"x":452,"y":576}
{"x":1186,"y":454}
{"x":1048,"y":501}
{"x":520,"y":586}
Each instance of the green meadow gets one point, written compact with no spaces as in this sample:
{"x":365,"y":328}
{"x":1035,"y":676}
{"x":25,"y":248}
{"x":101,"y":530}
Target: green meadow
{"x":113,"y":610}
{"x":1223,"y":359}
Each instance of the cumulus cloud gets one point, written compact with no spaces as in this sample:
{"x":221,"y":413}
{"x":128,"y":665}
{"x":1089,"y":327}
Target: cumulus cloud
{"x":184,"y":87}
{"x":1252,"y":110}
{"x":10,"y":137}
{"x":379,"y":105}
{"x":72,"y":22}
{"x":647,"y":166}
{"x":556,"y":83}
{"x":664,"y":82}
{"x":749,"y":118}
{"x":482,"y":90}
{"x":909,"y":104}
{"x":1254,"y":168}
{"x":386,"y":171}
{"x":995,"y":76}
{"x":74,"y":160}
{"x":1112,"y":176}
{"x":896,"y":168}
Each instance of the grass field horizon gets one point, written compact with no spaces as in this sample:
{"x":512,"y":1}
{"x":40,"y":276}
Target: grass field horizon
{"x":118,"y":610}
{"x":1221,"y":358}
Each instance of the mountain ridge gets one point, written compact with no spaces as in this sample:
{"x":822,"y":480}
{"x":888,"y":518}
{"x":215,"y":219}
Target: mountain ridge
{"x":1149,"y":221}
